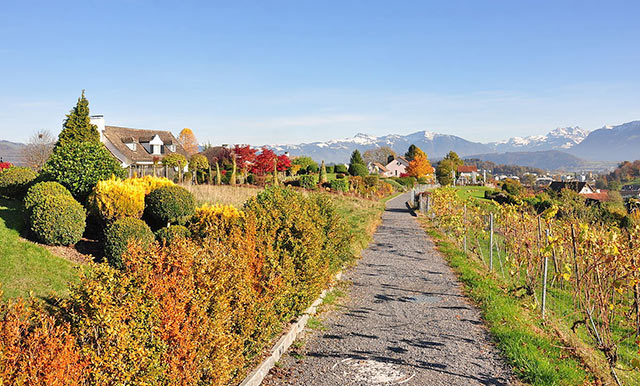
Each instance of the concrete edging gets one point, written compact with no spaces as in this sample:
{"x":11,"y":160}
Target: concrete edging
{"x":256,"y":377}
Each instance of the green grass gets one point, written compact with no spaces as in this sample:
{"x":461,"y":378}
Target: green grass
{"x":315,"y":324}
{"x":26,"y":267}
{"x":363,"y":216}
{"x":535,"y":353}
{"x":465,"y":192}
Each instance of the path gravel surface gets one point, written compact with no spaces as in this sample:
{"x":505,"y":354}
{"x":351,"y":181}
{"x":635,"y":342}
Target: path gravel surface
{"x":404,"y":321}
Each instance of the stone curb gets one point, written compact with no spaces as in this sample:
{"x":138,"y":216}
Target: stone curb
{"x":295,"y":328}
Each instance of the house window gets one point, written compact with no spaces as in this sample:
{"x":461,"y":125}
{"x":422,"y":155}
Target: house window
{"x":155,"y":149}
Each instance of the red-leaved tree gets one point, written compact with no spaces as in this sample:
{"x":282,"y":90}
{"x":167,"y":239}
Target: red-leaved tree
{"x":284,"y":163}
{"x":245,"y":158}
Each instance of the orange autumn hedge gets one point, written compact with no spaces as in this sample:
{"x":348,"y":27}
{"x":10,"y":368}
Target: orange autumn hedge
{"x":195,"y":312}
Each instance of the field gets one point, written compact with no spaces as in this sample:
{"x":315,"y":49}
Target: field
{"x":222,"y":194}
{"x":465,"y":192}
{"x":27,"y":268}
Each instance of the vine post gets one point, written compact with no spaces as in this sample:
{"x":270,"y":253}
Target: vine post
{"x":544,"y":282}
{"x":464,"y":222}
{"x":491,"y":242}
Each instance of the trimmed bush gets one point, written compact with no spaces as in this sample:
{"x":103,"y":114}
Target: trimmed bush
{"x":169,"y":204}
{"x":15,"y":181}
{"x":340,"y":168}
{"x":167,"y":235}
{"x":371,"y":181}
{"x":120,"y":234}
{"x":341,"y":185}
{"x":330,"y":169}
{"x":308,"y":181}
{"x":38,"y":192}
{"x":79,"y":167}
{"x":359,"y":170}
{"x":58,"y":220}
{"x":408,"y":182}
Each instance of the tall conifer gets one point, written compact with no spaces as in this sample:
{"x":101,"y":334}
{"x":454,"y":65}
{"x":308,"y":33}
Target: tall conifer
{"x":77,"y":127}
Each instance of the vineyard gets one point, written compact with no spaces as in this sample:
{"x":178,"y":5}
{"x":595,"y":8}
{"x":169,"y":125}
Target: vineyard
{"x":583,"y":275}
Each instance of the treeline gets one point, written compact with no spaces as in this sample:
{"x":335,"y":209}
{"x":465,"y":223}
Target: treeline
{"x":625,"y":172}
{"x":516,"y":170}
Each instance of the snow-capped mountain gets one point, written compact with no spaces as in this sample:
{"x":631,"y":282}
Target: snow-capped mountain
{"x":611,"y":143}
{"x":561,"y":138}
{"x":435,"y":145}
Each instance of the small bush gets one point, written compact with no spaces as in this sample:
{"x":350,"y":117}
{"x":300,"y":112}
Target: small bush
{"x":359,"y":170}
{"x":395,"y":185}
{"x":408,"y":182}
{"x":341,"y":185}
{"x":120,"y":234}
{"x":371,"y":181}
{"x":15,"y":181}
{"x":340,"y":168}
{"x":114,"y":199}
{"x":169,"y":204}
{"x":58,"y":220}
{"x":330,"y":169}
{"x":308,"y":181}
{"x":167,"y":235}
{"x":38,"y":192}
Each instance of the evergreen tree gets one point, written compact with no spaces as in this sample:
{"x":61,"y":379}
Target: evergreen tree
{"x":356,"y":158}
{"x":323,"y":173}
{"x":77,"y":127}
{"x":411,"y":153}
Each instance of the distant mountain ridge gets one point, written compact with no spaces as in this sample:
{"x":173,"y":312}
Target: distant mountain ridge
{"x":11,"y":152}
{"x":611,"y":143}
{"x":558,"y":139}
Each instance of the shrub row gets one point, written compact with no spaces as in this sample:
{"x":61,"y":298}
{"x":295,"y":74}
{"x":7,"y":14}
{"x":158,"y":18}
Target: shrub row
{"x":194,"y":312}
{"x":15,"y":181}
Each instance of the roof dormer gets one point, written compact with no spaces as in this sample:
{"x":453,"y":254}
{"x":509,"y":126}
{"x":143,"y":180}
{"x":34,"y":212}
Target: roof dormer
{"x":156,"y":145}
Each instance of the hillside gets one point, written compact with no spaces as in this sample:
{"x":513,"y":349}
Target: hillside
{"x":11,"y":152}
{"x":611,"y":143}
{"x":548,"y":160}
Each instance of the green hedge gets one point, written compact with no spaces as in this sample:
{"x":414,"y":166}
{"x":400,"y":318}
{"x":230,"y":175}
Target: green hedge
{"x":340,"y":168}
{"x":359,"y":170}
{"x":341,"y":185}
{"x":308,"y":181}
{"x":168,"y":234}
{"x":15,"y":181}
{"x":38,"y":192}
{"x":120,"y":234}
{"x":58,"y":220}
{"x":169,"y":204}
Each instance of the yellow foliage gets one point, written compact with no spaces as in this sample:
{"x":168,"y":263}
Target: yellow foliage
{"x":215,"y":220}
{"x":114,"y":198}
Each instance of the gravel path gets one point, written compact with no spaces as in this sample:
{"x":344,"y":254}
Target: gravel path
{"x":404,"y":321}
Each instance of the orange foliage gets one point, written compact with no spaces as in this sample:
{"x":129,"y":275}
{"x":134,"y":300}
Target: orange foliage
{"x":420,"y":166}
{"x":188,"y":141}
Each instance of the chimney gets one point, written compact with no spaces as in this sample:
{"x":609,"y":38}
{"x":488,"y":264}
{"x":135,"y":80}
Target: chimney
{"x":98,"y":120}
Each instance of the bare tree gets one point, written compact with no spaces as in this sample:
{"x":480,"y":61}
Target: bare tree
{"x":379,"y":154}
{"x":38,"y":149}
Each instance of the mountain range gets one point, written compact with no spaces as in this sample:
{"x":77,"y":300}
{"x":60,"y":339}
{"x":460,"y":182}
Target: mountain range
{"x":566,"y":148}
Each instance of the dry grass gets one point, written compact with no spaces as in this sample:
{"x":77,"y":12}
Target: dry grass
{"x":223,"y":194}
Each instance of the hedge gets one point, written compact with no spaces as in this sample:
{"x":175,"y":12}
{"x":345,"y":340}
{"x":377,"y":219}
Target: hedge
{"x":358,"y":170}
{"x":340,"y":168}
{"x":58,"y":220}
{"x":308,"y":181}
{"x":341,"y":185}
{"x":120,"y":234}
{"x":168,"y":234}
{"x":38,"y":192}
{"x":169,"y":204}
{"x":15,"y":181}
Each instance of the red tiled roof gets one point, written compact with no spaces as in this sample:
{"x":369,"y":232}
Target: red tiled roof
{"x":467,"y":168}
{"x":602,"y":196}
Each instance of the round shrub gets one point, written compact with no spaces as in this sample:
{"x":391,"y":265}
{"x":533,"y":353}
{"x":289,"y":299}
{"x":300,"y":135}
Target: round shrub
{"x":359,"y":170}
{"x":340,"y":168}
{"x":120,"y":234}
{"x":114,"y":199}
{"x":330,"y":168}
{"x":167,"y":235}
{"x":15,"y":181}
{"x":371,"y":181}
{"x":308,"y":181}
{"x":80,"y":165}
{"x":341,"y":185}
{"x":38,"y":192}
{"x":169,"y":204}
{"x":58,"y":220}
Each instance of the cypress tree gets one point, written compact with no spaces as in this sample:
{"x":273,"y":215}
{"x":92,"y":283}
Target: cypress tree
{"x":218,"y":176}
{"x":323,"y":173}
{"x":77,"y":127}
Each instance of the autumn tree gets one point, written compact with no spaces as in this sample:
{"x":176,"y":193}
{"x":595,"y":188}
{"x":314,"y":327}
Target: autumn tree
{"x":264,"y":162}
{"x":245,"y":157}
{"x":77,"y":127}
{"x":177,"y":161}
{"x":38,"y":149}
{"x":379,"y":154}
{"x":420,"y":166}
{"x":188,"y":141}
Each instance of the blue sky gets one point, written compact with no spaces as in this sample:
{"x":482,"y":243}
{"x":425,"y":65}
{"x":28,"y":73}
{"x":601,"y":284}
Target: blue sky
{"x":292,"y":71}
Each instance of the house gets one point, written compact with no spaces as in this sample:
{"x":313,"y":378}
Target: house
{"x":629,"y":191}
{"x":576,"y":186}
{"x":467,"y":174}
{"x":139,"y":150}
{"x":397,"y":167}
{"x":377,"y":168}
{"x":597,"y":197}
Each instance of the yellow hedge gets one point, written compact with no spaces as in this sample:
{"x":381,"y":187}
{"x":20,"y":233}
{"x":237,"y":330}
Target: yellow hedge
{"x":114,"y":198}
